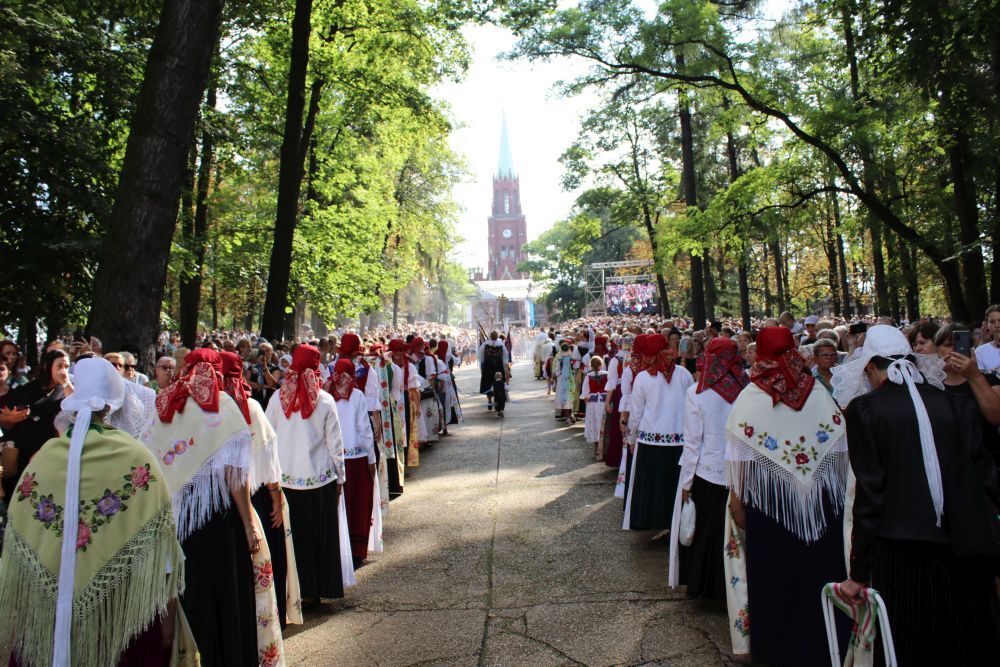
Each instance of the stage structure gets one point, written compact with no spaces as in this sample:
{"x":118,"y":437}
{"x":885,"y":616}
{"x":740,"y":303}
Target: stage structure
{"x":596,"y":281}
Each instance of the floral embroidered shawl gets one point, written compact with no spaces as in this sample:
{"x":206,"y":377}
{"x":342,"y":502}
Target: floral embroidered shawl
{"x":782,"y":460}
{"x":202,"y":453}
{"x":129,"y":563}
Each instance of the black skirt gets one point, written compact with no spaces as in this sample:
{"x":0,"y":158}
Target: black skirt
{"x":628,"y":472}
{"x":785,"y":577}
{"x":654,"y":486}
{"x":219,"y":595}
{"x":316,"y":537}
{"x":275,"y":537}
{"x":941,"y":607}
{"x":702,"y":567}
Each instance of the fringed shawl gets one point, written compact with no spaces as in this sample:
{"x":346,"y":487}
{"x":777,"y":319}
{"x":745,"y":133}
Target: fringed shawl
{"x":786,"y":460}
{"x":129,"y":563}
{"x":202,"y":454}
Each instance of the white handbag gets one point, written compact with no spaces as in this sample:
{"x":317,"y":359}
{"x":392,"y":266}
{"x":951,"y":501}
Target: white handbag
{"x":685,"y":534}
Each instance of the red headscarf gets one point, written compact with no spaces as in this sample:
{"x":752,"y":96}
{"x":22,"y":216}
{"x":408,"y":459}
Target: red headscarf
{"x":600,"y":346}
{"x":658,"y":356}
{"x":442,"y":350}
{"x":300,"y":390}
{"x":416,"y":346}
{"x":779,"y":369}
{"x":638,"y":349}
{"x":234,"y":383}
{"x":723,"y":370}
{"x":342,"y":380}
{"x":201,"y":380}
{"x":397,"y":348}
{"x":350,"y":345}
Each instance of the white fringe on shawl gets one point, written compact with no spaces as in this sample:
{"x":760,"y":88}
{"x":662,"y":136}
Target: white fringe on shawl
{"x":208,"y":489}
{"x":782,"y":495}
{"x":121,"y":601}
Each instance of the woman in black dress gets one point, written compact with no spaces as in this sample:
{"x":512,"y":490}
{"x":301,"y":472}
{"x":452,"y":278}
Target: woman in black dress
{"x":36,"y":404}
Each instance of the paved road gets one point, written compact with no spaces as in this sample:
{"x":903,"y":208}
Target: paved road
{"x":506,"y":549}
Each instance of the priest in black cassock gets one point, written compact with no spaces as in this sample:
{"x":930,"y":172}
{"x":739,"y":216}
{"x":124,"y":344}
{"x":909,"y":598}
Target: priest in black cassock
{"x":493,"y":358}
{"x":926,"y":529}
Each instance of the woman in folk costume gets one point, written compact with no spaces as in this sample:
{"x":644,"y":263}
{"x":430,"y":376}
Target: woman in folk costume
{"x":311,"y":453}
{"x":364,"y":379}
{"x":408,"y":402}
{"x":629,"y":371}
{"x":361,"y":487}
{"x":787,"y":467}
{"x":430,"y":408}
{"x":612,"y":436}
{"x":204,"y":447}
{"x":275,"y":576}
{"x":703,"y":471}
{"x":926,"y":530}
{"x":593,"y":395}
{"x":563,"y":370}
{"x":393,"y":425}
{"x":443,"y":378}
{"x":91,"y":567}
{"x":452,"y":408}
{"x":386,"y":447}
{"x":656,"y":428}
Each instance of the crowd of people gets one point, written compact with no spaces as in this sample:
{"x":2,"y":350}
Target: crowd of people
{"x":192,"y":513}
{"x":801,"y":452}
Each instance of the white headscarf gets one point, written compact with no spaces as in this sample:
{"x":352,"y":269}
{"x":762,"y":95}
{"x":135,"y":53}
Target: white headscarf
{"x":849,"y":381}
{"x":96,"y":386}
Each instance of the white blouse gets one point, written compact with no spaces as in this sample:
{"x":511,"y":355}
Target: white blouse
{"x":396,"y":386}
{"x":705,"y":416}
{"x":657,"y":408}
{"x":614,"y":368}
{"x":356,"y":427}
{"x":625,"y":404}
{"x":311,"y":451}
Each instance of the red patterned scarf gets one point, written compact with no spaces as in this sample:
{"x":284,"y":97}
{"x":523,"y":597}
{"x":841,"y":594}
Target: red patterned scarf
{"x":779,"y":369}
{"x":302,"y":382}
{"x":723,"y":371}
{"x":234,"y":383}
{"x":201,"y":380}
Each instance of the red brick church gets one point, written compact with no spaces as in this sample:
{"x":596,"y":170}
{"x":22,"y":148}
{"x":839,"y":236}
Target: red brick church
{"x":507,"y":231}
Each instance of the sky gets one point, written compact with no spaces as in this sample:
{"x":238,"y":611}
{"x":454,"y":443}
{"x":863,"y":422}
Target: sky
{"x":542,"y":126}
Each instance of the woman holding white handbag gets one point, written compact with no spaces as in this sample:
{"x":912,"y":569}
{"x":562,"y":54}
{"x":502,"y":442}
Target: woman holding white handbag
{"x":703,"y":473}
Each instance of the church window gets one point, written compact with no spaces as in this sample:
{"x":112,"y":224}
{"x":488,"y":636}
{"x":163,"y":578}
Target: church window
{"x":506,"y":203}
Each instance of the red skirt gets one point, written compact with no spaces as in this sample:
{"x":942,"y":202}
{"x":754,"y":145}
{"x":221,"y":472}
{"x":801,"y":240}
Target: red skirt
{"x":359,"y":494}
{"x":613,"y":432}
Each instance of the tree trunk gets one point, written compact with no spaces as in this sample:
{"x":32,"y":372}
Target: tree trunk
{"x":744,"y":292}
{"x":711,"y":293}
{"x":768,"y":296}
{"x":128,"y":287}
{"x":908,"y":266}
{"x":290,"y":173}
{"x":444,"y":304}
{"x":967,"y":212}
{"x":395,"y":308}
{"x":830,"y":247}
{"x":779,"y":283}
{"x":690,"y":190}
{"x":187,"y":235}
{"x":196,"y":236}
{"x":845,"y":287}
{"x":661,"y":286}
{"x":848,"y":10}
{"x":895,"y":279}
{"x":28,"y":341}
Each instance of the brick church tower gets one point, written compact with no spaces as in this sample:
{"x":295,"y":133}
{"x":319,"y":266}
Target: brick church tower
{"x":507,"y":227}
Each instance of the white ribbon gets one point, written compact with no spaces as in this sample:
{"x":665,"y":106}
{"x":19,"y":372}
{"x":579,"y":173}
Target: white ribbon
{"x":903,"y":371}
{"x":62,"y":642}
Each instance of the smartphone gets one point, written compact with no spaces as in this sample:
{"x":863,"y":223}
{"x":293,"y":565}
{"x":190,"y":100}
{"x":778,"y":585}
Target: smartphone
{"x":962,"y":342}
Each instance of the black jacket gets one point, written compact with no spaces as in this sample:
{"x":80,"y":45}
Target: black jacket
{"x":893,"y":499}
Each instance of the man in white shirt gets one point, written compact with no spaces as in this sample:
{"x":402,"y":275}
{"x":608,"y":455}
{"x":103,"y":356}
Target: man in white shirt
{"x":988,"y":354}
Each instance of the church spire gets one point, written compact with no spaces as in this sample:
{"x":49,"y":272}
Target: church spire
{"x":505,"y":164}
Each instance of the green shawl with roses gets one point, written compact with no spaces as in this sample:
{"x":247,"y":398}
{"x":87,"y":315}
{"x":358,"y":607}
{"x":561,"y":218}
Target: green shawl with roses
{"x":129,"y":564}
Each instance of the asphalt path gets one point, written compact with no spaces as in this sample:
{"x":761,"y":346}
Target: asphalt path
{"x":506,"y":548}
